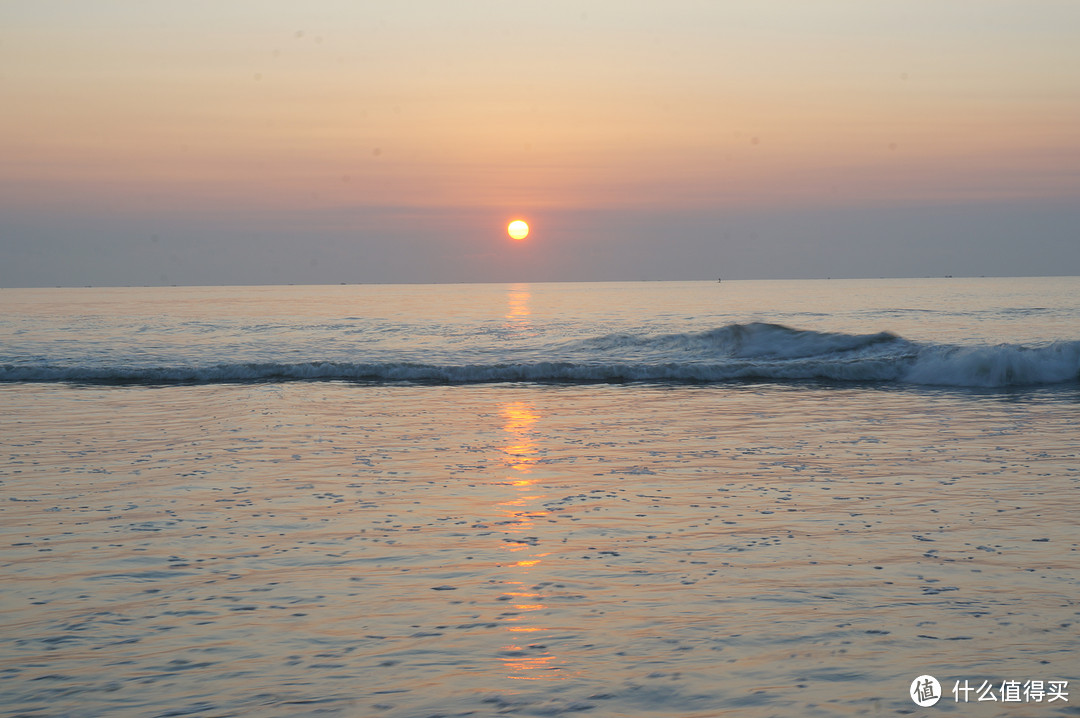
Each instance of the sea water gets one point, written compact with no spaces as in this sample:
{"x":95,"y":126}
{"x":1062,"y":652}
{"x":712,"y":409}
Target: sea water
{"x":616,"y":499}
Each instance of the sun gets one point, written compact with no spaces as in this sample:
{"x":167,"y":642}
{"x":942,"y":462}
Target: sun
{"x":517,"y":229}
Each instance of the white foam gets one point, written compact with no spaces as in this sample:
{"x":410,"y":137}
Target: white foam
{"x":996,"y":366}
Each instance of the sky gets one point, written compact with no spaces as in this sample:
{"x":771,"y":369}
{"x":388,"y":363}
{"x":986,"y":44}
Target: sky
{"x":145,"y":142}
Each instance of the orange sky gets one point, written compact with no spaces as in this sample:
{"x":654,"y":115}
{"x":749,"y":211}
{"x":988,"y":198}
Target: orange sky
{"x":153,"y":106}
{"x":616,"y":102}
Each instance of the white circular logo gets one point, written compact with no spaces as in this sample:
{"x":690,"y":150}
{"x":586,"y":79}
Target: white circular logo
{"x":925,"y":691}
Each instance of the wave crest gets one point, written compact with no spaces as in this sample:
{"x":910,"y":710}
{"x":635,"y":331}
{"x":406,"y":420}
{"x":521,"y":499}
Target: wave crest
{"x":996,"y":366}
{"x":754,"y":351}
{"x":754,"y":340}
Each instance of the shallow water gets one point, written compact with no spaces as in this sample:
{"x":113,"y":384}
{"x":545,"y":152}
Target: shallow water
{"x":332,"y":548}
{"x":335,"y":500}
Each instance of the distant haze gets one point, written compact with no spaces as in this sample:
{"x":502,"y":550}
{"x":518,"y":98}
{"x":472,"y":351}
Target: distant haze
{"x":261,"y":142}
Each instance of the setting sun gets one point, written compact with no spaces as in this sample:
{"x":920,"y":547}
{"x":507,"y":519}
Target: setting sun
{"x":517,"y":229}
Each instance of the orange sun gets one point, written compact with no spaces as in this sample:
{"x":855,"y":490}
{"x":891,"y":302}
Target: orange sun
{"x":517,"y":229}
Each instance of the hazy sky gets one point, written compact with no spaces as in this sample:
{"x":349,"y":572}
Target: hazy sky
{"x":263,"y":141}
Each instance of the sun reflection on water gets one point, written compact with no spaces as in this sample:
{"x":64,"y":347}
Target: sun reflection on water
{"x":518,"y":311}
{"x":525,"y":656}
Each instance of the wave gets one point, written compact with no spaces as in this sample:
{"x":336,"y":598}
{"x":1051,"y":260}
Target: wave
{"x":996,"y":366}
{"x":757,"y":340}
{"x":756,"y":351}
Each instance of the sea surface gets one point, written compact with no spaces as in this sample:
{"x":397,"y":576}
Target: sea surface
{"x":681,"y":499}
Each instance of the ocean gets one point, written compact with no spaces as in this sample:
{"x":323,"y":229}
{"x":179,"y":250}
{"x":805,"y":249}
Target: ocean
{"x":681,"y":499}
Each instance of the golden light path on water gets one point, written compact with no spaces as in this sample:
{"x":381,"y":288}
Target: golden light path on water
{"x":518,"y":311}
{"x":523,"y":656}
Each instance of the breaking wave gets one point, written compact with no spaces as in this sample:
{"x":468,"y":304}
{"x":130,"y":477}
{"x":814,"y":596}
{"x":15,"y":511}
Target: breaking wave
{"x":755,"y":351}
